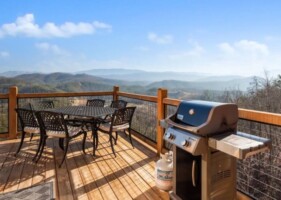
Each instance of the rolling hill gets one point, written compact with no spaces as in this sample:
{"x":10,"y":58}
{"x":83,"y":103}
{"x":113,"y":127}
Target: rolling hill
{"x":65,"y":82}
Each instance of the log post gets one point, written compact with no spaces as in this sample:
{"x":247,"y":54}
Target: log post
{"x":13,"y":126}
{"x":161,"y":94}
{"x":115,"y":91}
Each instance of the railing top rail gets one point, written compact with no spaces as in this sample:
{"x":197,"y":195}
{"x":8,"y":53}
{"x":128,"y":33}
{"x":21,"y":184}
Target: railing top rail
{"x":172,"y":102}
{"x":4,"y":96}
{"x":138,"y":96}
{"x":260,"y":116}
{"x":63,"y":94}
{"x":246,"y":114}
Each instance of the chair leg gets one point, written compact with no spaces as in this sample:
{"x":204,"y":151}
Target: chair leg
{"x":21,"y":142}
{"x":116,"y":137}
{"x":125,"y":133}
{"x":111,"y":144}
{"x":130,"y":136}
{"x":83,"y":142}
{"x":94,"y":143}
{"x":38,"y":149}
{"x":97,"y":140}
{"x":65,"y":151}
{"x":42,"y":148}
{"x":31,"y":136}
{"x":61,"y":143}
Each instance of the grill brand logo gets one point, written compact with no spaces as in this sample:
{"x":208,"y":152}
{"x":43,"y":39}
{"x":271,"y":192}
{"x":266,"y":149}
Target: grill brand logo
{"x":180,"y":117}
{"x":191,"y":111}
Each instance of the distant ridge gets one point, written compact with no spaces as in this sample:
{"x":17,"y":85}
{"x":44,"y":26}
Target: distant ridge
{"x":114,"y":71}
{"x":141,"y":75}
{"x":14,"y":73}
{"x":65,"y":82}
{"x":235,"y":84}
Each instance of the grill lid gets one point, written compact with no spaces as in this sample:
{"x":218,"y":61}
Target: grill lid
{"x":195,"y":113}
{"x":204,"y":117}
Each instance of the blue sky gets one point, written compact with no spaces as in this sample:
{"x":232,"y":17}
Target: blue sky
{"x":216,"y":37}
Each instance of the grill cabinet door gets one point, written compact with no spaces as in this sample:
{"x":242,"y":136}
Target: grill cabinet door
{"x":187,"y":175}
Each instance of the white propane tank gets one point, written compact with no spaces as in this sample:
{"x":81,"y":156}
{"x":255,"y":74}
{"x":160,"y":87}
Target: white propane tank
{"x":164,"y":172}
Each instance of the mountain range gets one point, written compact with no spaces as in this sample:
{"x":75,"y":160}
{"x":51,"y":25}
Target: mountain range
{"x":129,"y":80}
{"x":144,"y":76}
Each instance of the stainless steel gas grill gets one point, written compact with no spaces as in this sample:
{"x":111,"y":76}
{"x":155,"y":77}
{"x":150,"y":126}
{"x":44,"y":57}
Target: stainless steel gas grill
{"x":206,"y":144}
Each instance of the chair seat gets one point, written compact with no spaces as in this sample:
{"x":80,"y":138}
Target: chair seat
{"x":72,"y":131}
{"x":106,"y":127}
{"x":28,"y":129}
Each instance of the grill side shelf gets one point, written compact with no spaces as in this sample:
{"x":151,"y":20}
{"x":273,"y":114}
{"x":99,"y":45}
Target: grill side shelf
{"x":240,"y":145}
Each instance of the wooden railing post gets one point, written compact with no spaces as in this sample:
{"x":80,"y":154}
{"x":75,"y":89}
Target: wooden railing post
{"x":161,"y":94}
{"x":115,"y":90}
{"x":13,"y":126}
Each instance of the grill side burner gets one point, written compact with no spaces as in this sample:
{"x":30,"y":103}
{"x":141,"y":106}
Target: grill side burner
{"x":205,"y":147}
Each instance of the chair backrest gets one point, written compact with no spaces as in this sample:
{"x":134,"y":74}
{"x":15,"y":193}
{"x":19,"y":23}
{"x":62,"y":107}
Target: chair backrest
{"x":118,"y":104}
{"x":51,"y":121}
{"x":41,"y":105}
{"x":95,"y":102}
{"x":27,"y":118}
{"x":123,"y":116}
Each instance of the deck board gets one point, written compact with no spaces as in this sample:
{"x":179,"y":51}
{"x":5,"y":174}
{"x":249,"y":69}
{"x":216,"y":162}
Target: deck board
{"x":129,"y":175}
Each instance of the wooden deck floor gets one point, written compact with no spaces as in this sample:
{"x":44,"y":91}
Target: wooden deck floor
{"x":130,"y":175}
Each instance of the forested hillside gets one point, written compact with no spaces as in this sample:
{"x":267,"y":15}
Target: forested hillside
{"x":65,"y":82}
{"x":61,"y":82}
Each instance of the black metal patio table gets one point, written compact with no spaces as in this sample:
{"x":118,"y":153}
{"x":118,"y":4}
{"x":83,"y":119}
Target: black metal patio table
{"x":91,"y":114}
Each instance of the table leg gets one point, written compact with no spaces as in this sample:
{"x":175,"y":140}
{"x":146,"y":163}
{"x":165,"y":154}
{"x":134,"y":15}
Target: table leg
{"x":95,"y":137}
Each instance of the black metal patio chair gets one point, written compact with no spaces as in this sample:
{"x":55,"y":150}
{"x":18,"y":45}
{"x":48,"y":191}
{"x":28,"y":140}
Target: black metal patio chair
{"x":41,"y":105}
{"x":54,"y":125}
{"x":79,"y":121}
{"x":115,"y":104}
{"x":95,"y":102}
{"x":120,"y":121}
{"x":118,"y":104}
{"x":29,"y":124}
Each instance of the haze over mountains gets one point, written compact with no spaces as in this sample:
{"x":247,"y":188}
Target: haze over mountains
{"x":175,"y":80}
{"x":129,"y":80}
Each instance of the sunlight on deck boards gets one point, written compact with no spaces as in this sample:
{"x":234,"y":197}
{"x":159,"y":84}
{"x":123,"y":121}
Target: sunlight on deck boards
{"x":129,"y":175}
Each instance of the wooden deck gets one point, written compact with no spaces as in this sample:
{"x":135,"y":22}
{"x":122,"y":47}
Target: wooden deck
{"x":130,"y":175}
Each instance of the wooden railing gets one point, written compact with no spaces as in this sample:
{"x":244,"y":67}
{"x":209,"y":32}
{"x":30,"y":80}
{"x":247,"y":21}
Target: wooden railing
{"x":161,"y":100}
{"x":160,"y":103}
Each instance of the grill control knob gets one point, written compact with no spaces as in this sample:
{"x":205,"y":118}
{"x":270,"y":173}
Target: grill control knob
{"x":171,"y":136}
{"x":185,"y":143}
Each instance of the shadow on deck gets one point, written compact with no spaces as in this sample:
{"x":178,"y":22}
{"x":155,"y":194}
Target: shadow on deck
{"x":129,"y":175}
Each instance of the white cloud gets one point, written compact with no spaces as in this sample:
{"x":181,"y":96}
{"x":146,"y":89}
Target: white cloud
{"x":26,"y":26}
{"x":165,"y":39}
{"x":101,"y":25}
{"x":244,"y":57}
{"x":46,"y":47}
{"x":227,"y":48}
{"x":196,"y":51}
{"x":245,"y":47}
{"x":4,"y":54}
{"x":252,"y":46}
